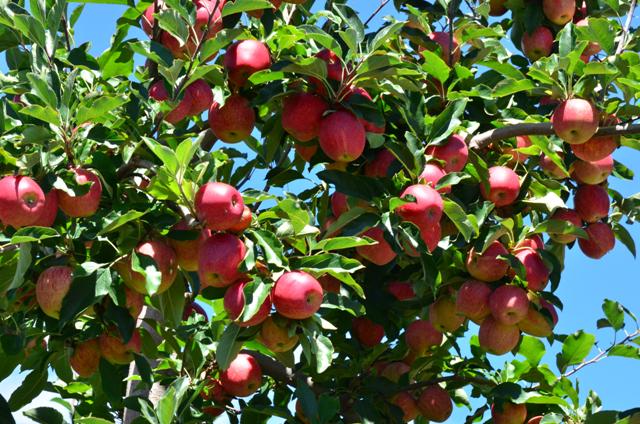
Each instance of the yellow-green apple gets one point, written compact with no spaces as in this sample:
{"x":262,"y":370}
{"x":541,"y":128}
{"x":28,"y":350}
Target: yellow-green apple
{"x":380,"y":253}
{"x":591,"y":202}
{"x":50,"y":211}
{"x":52,"y":286}
{"x":551,"y":169}
{"x":244,"y":223}
{"x":187,"y":251}
{"x":567,"y":215}
{"x":243,"y":377}
{"x":508,"y":413}
{"x":449,"y":46}
{"x":498,"y":338}
{"x":276,"y":335}
{"x":219,"y":206}
{"x":115,"y":350}
{"x":85,"y":358}
{"x":539,"y":321}
{"x":395,"y":370}
{"x":537,"y":272}
{"x":595,"y":172}
{"x":497,"y":7}
{"x":407,"y":404}
{"x":593,"y":47}
{"x":504,"y":186}
{"x":379,"y":166}
{"x":435,"y":404}
{"x":220,"y":256}
{"x":297,"y":295}
{"x":422,"y":336}
{"x":509,"y":304}
{"x":233,"y":121}
{"x":443,"y":315}
{"x":234,"y":304}
{"x":22,"y":201}
{"x":244,"y":58}
{"x":165,"y":261}
{"x":367,"y":332}
{"x":600,"y":242}
{"x":200,"y":97}
{"x":575,"y":120}
{"x":472,"y":300}
{"x":427,"y":207}
{"x":431,"y":175}
{"x":339,"y":203}
{"x":302,"y":114}
{"x":559,"y":11}
{"x":487,"y":266}
{"x":538,"y":43}
{"x":453,"y":152}
{"x":401,"y":290}
{"x":84,"y":205}
{"x":522,"y":141}
{"x":342,"y":136}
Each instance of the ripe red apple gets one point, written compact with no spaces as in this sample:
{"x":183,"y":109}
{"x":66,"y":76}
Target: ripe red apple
{"x":297,"y":295}
{"x":233,"y":121}
{"x":551,"y":169}
{"x":593,"y":47}
{"x":330,"y":284}
{"x":302,"y":114}
{"x":21,"y":201}
{"x":306,"y":151}
{"x":133,"y":301}
{"x":559,"y":11}
{"x":219,"y":206}
{"x":498,"y":338}
{"x":243,"y":377}
{"x":450,"y":48}
{"x":430,"y":235}
{"x":193,"y":308}
{"x":401,"y":290}
{"x":200,"y":97}
{"x":85,"y":358}
{"x":593,"y":172}
{"x":535,"y":420}
{"x":395,"y":370}
{"x":533,"y":241}
{"x":342,"y":137}
{"x":115,"y":350}
{"x":508,"y":413}
{"x":522,"y":141}
{"x":435,"y":404}
{"x":84,"y":205}
{"x":454,"y":152}
{"x":539,"y":321}
{"x":472,"y":300}
{"x":407,"y":404}
{"x":367,"y":332}
{"x":537,"y":44}
{"x":187,"y":251}
{"x":427,"y":207}
{"x":244,"y":58}
{"x":596,"y":148}
{"x":220,"y":257}
{"x":379,"y":166}
{"x":50,"y":211}
{"x":339,"y":203}
{"x":276,"y":336}
{"x":536,"y":271}
{"x":509,"y":304}
{"x":180,"y":112}
{"x":158,"y":91}
{"x":504,"y":186}
{"x":165,"y":260}
{"x":443,"y":315}
{"x":334,"y":65}
{"x":422,"y":336}
{"x":575,"y":120}
{"x":487,"y":266}
{"x":380,"y":253}
{"x":591,"y":202}
{"x":52,"y":286}
{"x":234,"y":304}
{"x":431,"y":175}
{"x":600,"y":242}
{"x":245,"y":221}
{"x":497,"y":7}
{"x":570,"y":216}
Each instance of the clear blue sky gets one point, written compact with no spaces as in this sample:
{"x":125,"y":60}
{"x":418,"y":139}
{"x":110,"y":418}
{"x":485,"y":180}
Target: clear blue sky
{"x":584,"y":285}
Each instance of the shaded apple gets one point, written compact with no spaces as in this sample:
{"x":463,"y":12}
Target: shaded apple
{"x":497,"y":7}
{"x":498,"y":338}
{"x":306,"y":151}
{"x":115,"y":350}
{"x":539,"y":321}
{"x":537,"y":272}
{"x":86,"y":204}
{"x":593,"y":47}
{"x":339,"y":203}
{"x":449,"y":46}
{"x":380,"y":253}
{"x":22,"y":201}
{"x":532,"y":241}
{"x":401,"y":290}
{"x":244,"y":223}
{"x":508,"y":413}
{"x":342,"y":136}
{"x":421,"y":336}
{"x":591,"y":202}
{"x":575,"y":120}
{"x":567,"y":215}
{"x":407,"y":404}
{"x":165,"y":262}
{"x":431,"y":175}
{"x":276,"y":335}
{"x":330,"y":284}
{"x":367,"y":332}
{"x":52,"y":286}
{"x":559,"y":12}
{"x":220,"y":257}
{"x":509,"y":304}
{"x":85,"y":358}
{"x":443,"y":315}
{"x":233,"y":121}
{"x":334,"y":65}
{"x":504,"y":186}
{"x":472,"y":300}
{"x":188,"y":251}
{"x":133,"y":302}
{"x":234,"y":305}
{"x":522,"y":141}
{"x":538,"y":43}
{"x":49,"y":212}
{"x":593,"y":172}
{"x":219,"y":206}
{"x":297,"y":295}
{"x":486,"y":266}
{"x":243,"y":377}
{"x":395,"y":370}
{"x":551,"y":169}
{"x":435,"y":404}
{"x":600,"y":242}
{"x":380,"y":165}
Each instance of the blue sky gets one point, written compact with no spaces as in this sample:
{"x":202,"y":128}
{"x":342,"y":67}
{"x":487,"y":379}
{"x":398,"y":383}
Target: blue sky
{"x":584,"y":285}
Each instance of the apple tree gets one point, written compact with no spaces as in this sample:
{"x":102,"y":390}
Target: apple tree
{"x":266,"y":209}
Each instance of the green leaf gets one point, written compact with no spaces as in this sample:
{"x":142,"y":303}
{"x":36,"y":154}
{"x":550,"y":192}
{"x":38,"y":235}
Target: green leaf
{"x":5,"y":412}
{"x":46,"y":114}
{"x":31,"y":234}
{"x":339,"y":243}
{"x":272,"y":248}
{"x":170,"y":21}
{"x":240,"y":6}
{"x":166,"y":155}
{"x":24,"y":263}
{"x":467,"y":224}
{"x":227,"y":347}
{"x":623,"y":235}
{"x":171,"y":303}
{"x":91,"y":420}
{"x":614,"y":313}
{"x":447,"y":122}
{"x":255,"y":293}
{"x":384,"y":34}
{"x":354,"y":185}
{"x":532,"y":349}
{"x":121,"y":220}
{"x":323,"y":348}
{"x":44,"y":415}
{"x":168,"y":406}
{"x":435,"y":66}
{"x":30,"y":388}
{"x":98,"y":109}
{"x":575,"y":348}
{"x":326,"y":262}
{"x":148,"y":267}
{"x":556,"y":227}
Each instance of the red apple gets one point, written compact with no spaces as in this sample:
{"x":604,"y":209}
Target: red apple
{"x":407,"y":404}
{"x":536,"y":271}
{"x":200,"y":97}
{"x":234,"y":304}
{"x":219,"y":206}
{"x":487,"y":266}
{"x":539,"y":322}
{"x":430,"y":235}
{"x":443,"y":315}
{"x":559,"y":12}
{"x":243,"y":377}
{"x":401,"y":290}
{"x":276,"y":335}
{"x":115,"y":350}
{"x":593,"y":172}
{"x":422,"y":336}
{"x":431,"y":175}
{"x":330,"y":284}
{"x":367,"y":332}
{"x":244,"y":58}
{"x":508,"y":413}
{"x":522,"y":141}
{"x":22,"y":201}
{"x":535,"y":420}
{"x":427,"y":207}
{"x":334,"y":65}
{"x":537,"y":44}
{"x":504,"y":186}
{"x":187,"y":251}
{"x":454,"y":152}
{"x":165,"y":260}
{"x":302,"y":114}
{"x":591,"y":202}
{"x":84,"y":205}
{"x":133,"y":301}
{"x":245,"y":221}
{"x":379,"y":166}
{"x":509,"y":304}
{"x":575,"y":120}
{"x":435,"y":404}
{"x":339,"y":203}
{"x":220,"y":257}
{"x":593,"y":47}
{"x":472,"y":300}
{"x":180,"y":112}
{"x":380,"y":253}
{"x":306,"y":151}
{"x":600,"y":242}
{"x":52,"y":286}
{"x":533,"y":241}
{"x":570,"y":216}
{"x":551,"y":169}
{"x":450,"y":47}
{"x":233,"y":121}
{"x":498,"y":338}
{"x":193,"y":308}
{"x":342,"y":137}
{"x":50,"y":211}
{"x":85,"y":358}
{"x":395,"y":370}
{"x":297,"y":295}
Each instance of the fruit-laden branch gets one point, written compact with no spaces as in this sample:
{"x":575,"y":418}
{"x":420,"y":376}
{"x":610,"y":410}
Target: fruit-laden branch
{"x":625,"y":30}
{"x":482,"y":140}
{"x":277,"y":370}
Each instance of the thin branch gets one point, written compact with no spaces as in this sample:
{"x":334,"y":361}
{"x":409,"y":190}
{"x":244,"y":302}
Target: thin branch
{"x":453,"y":378}
{"x":279,"y":371}
{"x":375,"y":12}
{"x":625,"y":29}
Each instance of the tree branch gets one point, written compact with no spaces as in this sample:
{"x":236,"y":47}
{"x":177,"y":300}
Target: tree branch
{"x":375,"y":12}
{"x":454,"y":378}
{"x":279,"y":371}
{"x":625,"y":29}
